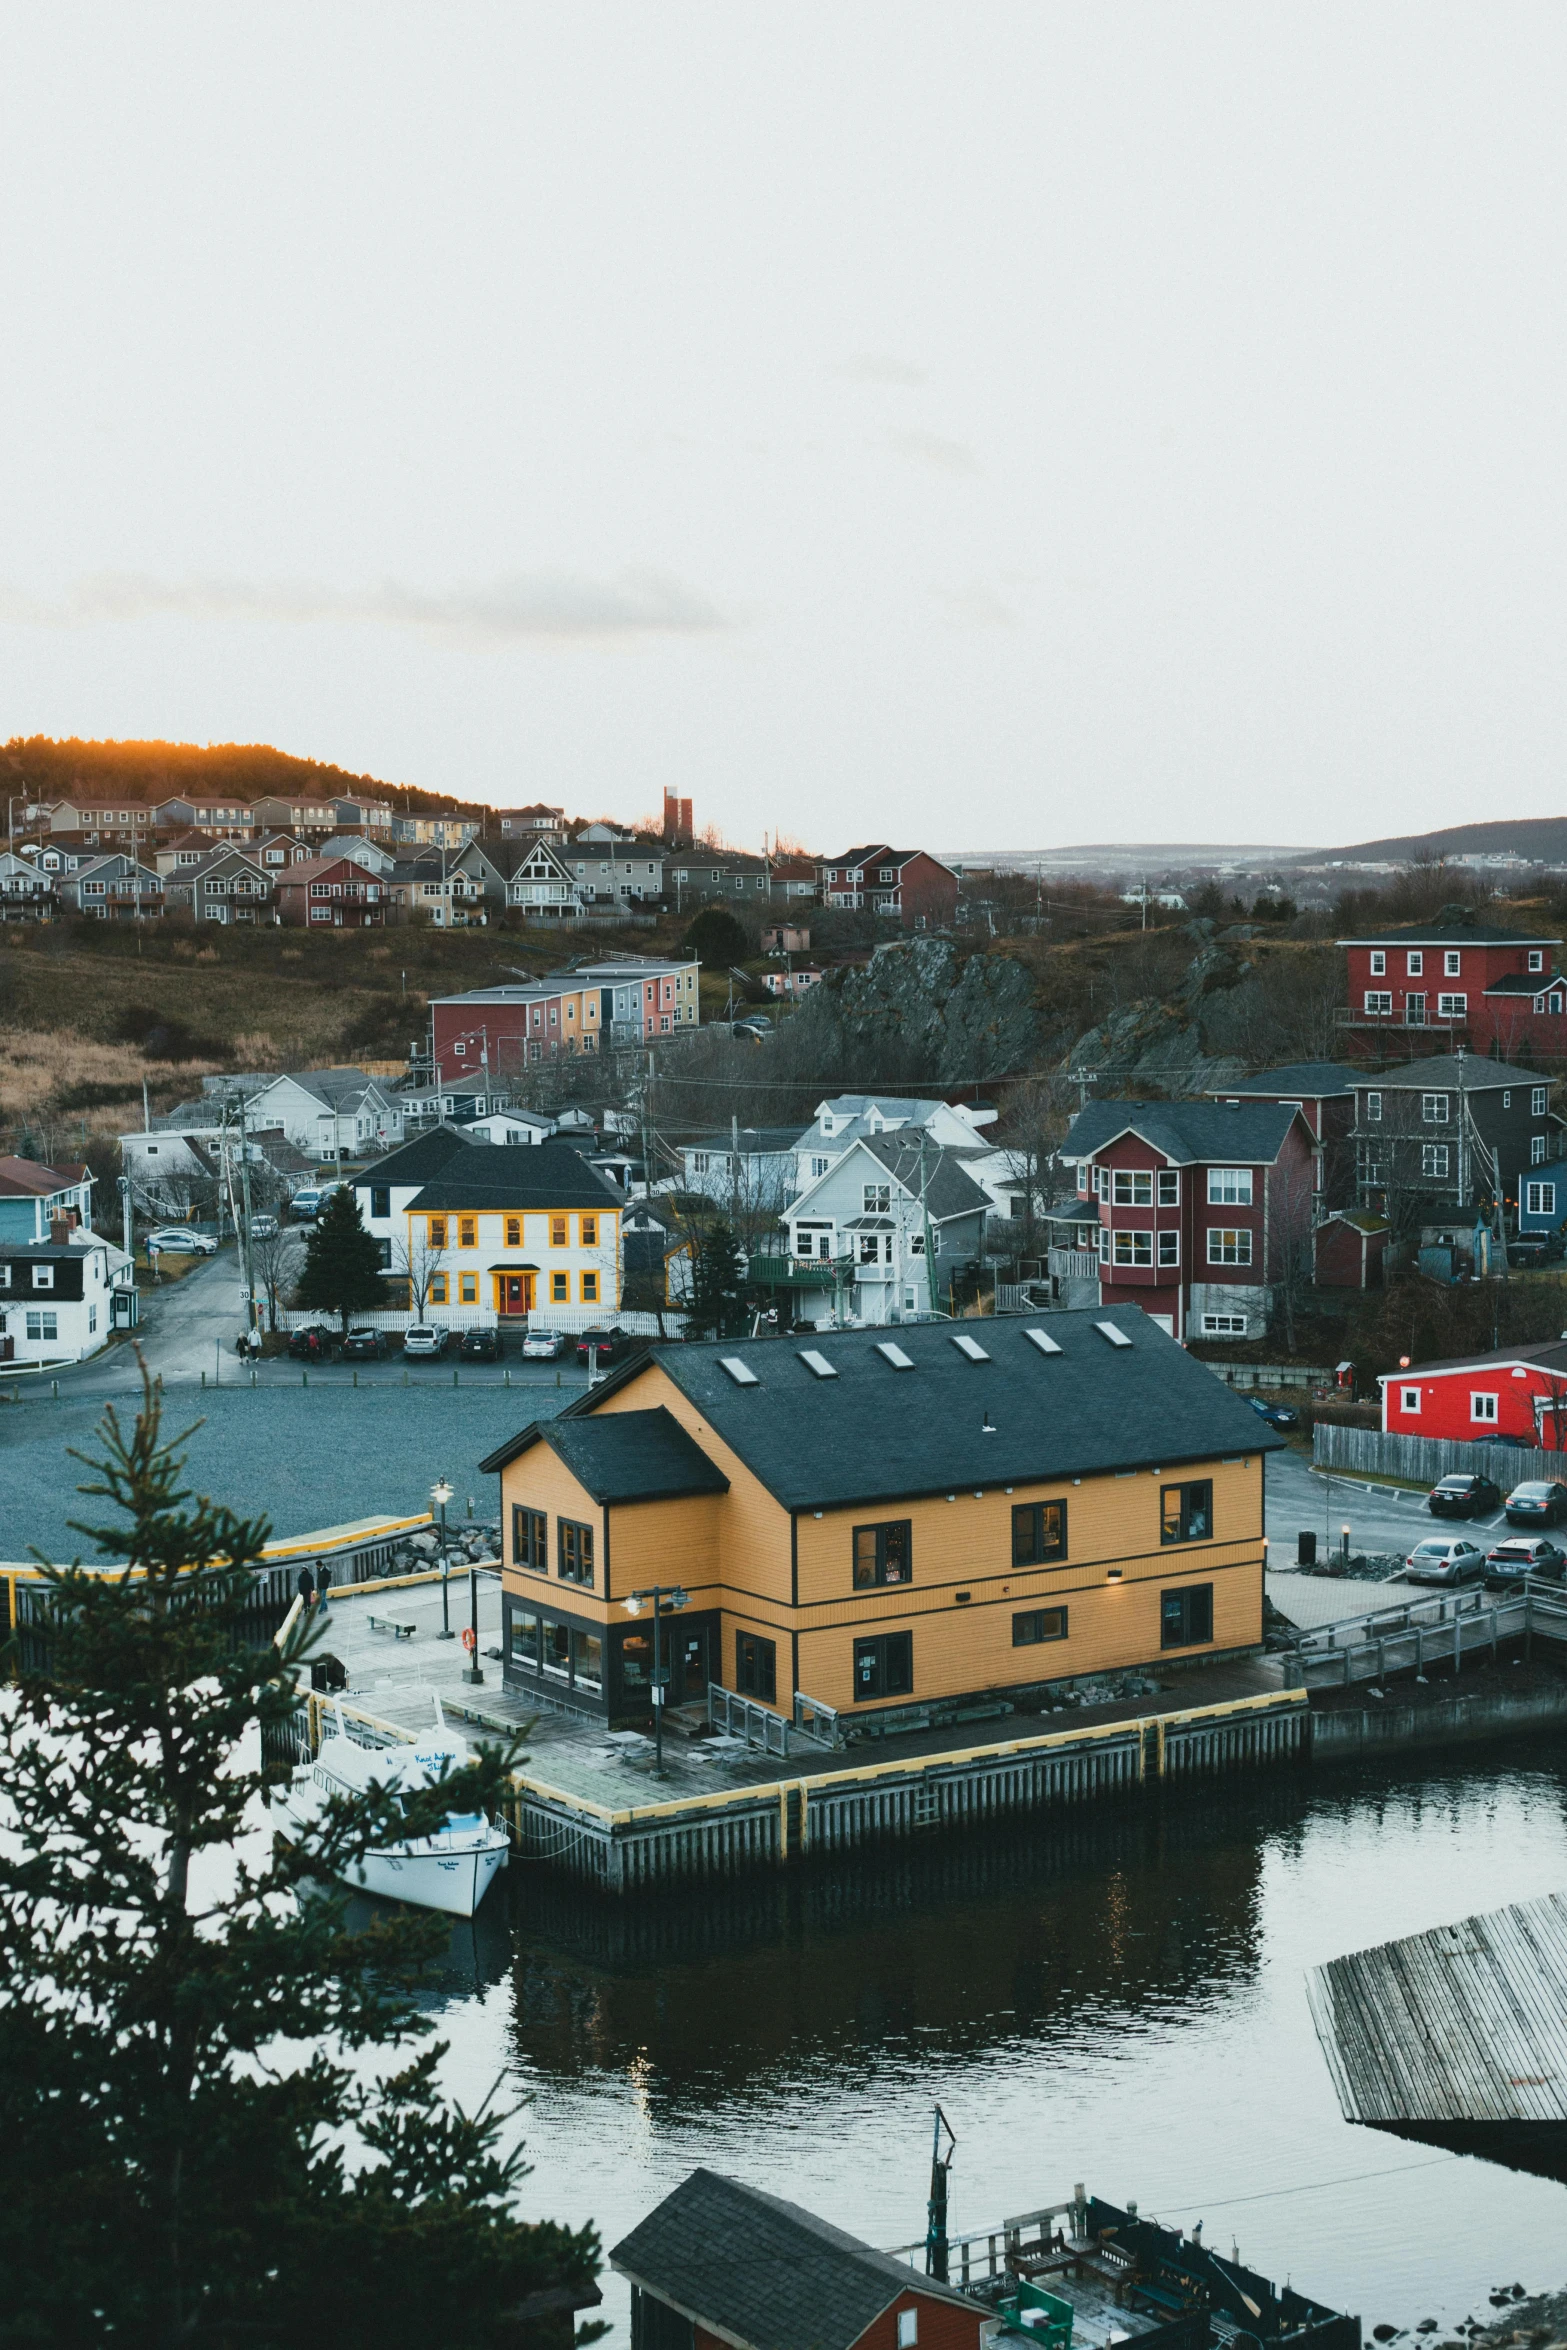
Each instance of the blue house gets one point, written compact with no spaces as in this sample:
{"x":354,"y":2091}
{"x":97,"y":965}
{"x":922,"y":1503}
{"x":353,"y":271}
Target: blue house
{"x":34,"y":1200}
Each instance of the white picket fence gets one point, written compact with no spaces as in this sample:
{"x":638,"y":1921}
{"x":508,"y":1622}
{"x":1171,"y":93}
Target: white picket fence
{"x":566,"y":1319}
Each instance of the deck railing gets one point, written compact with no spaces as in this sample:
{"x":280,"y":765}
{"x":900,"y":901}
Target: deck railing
{"x":743,"y":1717}
{"x":1423,"y":1632}
{"x":982,"y":2254}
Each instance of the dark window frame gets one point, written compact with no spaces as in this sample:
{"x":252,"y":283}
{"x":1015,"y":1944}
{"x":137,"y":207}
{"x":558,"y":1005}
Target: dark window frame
{"x":530,"y":1539}
{"x":891,"y":1655}
{"x":1186,"y":1616}
{"x":756,"y":1667}
{"x":1031,"y":1546}
{"x":1191,"y":1519}
{"x":380,"y":1199}
{"x":574,"y":1552}
{"x":1034,"y":1627}
{"x":876,"y":1577}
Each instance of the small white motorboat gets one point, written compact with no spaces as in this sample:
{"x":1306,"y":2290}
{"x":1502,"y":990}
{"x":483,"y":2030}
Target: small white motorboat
{"x":451,"y":1870}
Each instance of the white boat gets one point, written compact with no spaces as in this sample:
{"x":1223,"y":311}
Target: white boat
{"x":451,"y":1870}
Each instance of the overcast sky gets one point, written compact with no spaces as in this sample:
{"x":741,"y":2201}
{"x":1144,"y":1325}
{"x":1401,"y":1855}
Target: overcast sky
{"x":980,"y":426}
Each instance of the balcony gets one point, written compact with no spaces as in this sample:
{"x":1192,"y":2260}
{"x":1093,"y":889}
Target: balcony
{"x":774,"y":1268}
{"x":1072,"y":1264}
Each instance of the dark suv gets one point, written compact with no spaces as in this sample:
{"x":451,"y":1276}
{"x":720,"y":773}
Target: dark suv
{"x":364,"y":1345}
{"x":480,"y":1346}
{"x":313,"y":1344}
{"x":1464,"y":1497}
{"x":611,"y":1345}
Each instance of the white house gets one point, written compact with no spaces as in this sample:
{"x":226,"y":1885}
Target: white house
{"x":524,"y":1126}
{"x":848,"y":1118}
{"x":746,"y":1169}
{"x":883,"y":1229}
{"x":61,"y":1297}
{"x":330,"y":1112}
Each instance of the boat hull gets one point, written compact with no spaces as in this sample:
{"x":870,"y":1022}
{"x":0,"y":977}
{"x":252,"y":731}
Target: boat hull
{"x":451,"y":1873}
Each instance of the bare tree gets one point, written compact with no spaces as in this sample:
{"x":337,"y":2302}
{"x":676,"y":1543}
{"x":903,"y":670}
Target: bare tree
{"x":275,"y":1260}
{"x":417,"y":1262}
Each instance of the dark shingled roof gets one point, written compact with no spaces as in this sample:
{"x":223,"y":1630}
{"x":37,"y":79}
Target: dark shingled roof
{"x":1449,"y":934}
{"x":1312,"y":1080}
{"x":516,"y":1175}
{"x":1189,"y":1133}
{"x":875,"y":1433}
{"x":1444,"y":1069}
{"x":927,"y":1169}
{"x":623,"y":1456}
{"x":763,"y":2271}
{"x":1529,"y":983}
{"x":420,"y":1160}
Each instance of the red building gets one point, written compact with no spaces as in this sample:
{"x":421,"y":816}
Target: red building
{"x":1495,"y":989}
{"x":1348,"y":1249}
{"x":906,"y":884}
{"x":721,"y":2266}
{"x":1518,"y":1391}
{"x":1324,"y":1094}
{"x":330,"y":893}
{"x":1201,"y":1207}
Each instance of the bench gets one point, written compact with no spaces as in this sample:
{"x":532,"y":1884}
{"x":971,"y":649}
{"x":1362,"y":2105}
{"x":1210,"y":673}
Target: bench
{"x":398,"y":1626}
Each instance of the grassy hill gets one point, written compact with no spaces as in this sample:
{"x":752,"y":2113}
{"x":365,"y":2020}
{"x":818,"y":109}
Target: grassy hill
{"x":51,"y":770}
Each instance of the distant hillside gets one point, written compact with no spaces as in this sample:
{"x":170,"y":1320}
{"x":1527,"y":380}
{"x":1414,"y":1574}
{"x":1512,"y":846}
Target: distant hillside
{"x":1543,"y":837}
{"x":154,"y":771}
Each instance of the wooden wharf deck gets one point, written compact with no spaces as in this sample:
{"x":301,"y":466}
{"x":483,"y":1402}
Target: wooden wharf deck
{"x":1457,"y":2036}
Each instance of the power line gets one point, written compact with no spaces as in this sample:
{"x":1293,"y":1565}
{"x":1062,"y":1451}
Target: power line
{"x":1312,"y":2186}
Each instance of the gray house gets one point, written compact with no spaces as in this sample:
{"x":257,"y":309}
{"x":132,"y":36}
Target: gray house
{"x":879,"y":1236}
{"x":749,"y":1167}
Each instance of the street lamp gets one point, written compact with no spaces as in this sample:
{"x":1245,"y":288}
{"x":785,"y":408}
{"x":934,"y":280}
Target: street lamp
{"x":441,"y":1494}
{"x":663,"y":1596}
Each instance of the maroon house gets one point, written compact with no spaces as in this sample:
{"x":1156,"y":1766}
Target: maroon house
{"x":1492,"y":988}
{"x":907,"y":884}
{"x":1201,"y":1205}
{"x":1324,"y":1094}
{"x":330,"y":893}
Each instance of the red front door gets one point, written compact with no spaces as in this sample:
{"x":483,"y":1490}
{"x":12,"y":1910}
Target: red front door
{"x":514,"y":1293}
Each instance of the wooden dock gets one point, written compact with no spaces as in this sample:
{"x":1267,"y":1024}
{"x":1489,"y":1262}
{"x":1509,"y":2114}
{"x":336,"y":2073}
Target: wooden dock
{"x":1457,"y":2037}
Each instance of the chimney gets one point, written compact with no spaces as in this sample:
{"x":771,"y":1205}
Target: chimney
{"x":60,"y":1230}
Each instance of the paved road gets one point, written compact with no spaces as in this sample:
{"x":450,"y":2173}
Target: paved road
{"x":1379,"y":1519}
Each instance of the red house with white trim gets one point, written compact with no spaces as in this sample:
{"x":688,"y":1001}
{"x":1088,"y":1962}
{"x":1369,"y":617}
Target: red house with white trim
{"x":1496,"y":990}
{"x":910,"y":885}
{"x":1516,"y":1391}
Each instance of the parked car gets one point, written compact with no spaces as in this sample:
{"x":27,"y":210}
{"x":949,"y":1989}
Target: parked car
{"x":363,"y":1344}
{"x":263,"y":1227}
{"x":180,"y":1241}
{"x":1457,"y":1560}
{"x":425,"y":1338}
{"x":544,"y":1346}
{"x":1535,"y":1248}
{"x":608,"y":1345}
{"x":1277,"y":1415}
{"x":1541,"y":1501}
{"x":1464,"y":1497}
{"x":480,"y":1346}
{"x":312,"y":1344}
{"x":1520,"y":1555}
{"x":305,"y":1205}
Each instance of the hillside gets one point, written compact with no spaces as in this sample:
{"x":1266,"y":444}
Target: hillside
{"x":50,"y":770}
{"x":1542,"y":837}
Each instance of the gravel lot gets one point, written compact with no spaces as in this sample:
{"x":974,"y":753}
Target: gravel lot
{"x":307,"y":1457}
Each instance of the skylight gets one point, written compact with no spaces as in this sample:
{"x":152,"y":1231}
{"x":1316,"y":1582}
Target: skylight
{"x":817,"y":1362}
{"x":1043,"y":1340}
{"x":972,"y":1348}
{"x":894,"y":1355}
{"x":741,"y":1373}
{"x":1109,"y":1330}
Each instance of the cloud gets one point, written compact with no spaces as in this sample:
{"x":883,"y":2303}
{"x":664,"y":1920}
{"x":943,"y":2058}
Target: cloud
{"x":976,"y":606}
{"x":929,"y":448}
{"x":520,"y":605}
{"x":875,"y":367}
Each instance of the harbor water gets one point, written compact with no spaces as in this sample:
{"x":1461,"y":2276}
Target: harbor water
{"x":1118,"y":1998}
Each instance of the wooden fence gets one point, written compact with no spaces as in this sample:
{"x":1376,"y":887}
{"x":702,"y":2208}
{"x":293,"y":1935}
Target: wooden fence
{"x":1366,"y":1452}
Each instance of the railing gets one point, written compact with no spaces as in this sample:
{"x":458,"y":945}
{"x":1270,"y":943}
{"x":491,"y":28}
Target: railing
{"x":1350,"y":1018}
{"x":816,"y":1722}
{"x":779,"y":1270}
{"x":1422,"y":1632}
{"x":984,"y":2252}
{"x":742,"y":1717}
{"x":1073,"y":1264}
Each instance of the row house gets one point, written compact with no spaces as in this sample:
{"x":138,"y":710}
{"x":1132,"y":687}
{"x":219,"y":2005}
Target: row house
{"x":61,"y":1297}
{"x":25,"y":891}
{"x":880,"y":1237}
{"x":115,"y":888}
{"x":225,"y":885}
{"x":615,"y":873}
{"x":495,"y":1231}
{"x":434,"y":832}
{"x":1202,"y":1207}
{"x":227,"y":819}
{"x":534,"y":823}
{"x":287,"y":814}
{"x":490,"y":1034}
{"x":894,"y":1527}
{"x":1490,"y":987}
{"x":97,"y":820}
{"x":698,"y":873}
{"x":331,"y":893}
{"x":437,"y":888}
{"x":643,"y":998}
{"x":37,"y":1201}
{"x":906,"y":885}
{"x":1437,"y":1138}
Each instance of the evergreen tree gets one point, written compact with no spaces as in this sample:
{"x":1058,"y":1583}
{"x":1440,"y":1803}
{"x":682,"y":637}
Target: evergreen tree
{"x":342,"y":1272}
{"x":716,"y":938}
{"x":194,"y":2149}
{"x":717,"y":1308}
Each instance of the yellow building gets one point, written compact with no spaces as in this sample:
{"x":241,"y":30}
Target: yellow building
{"x":886,"y":1523}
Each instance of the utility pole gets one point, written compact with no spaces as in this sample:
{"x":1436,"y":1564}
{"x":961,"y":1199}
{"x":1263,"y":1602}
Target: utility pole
{"x":245,"y":1238}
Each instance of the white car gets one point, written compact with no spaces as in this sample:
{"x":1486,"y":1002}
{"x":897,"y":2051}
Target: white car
{"x":263,"y":1227}
{"x":425,"y":1338}
{"x":1445,"y":1559}
{"x":543,"y":1346}
{"x":180,"y":1241}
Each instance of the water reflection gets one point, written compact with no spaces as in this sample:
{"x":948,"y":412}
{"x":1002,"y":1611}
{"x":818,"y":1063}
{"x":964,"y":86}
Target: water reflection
{"x":1118,"y":1999}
